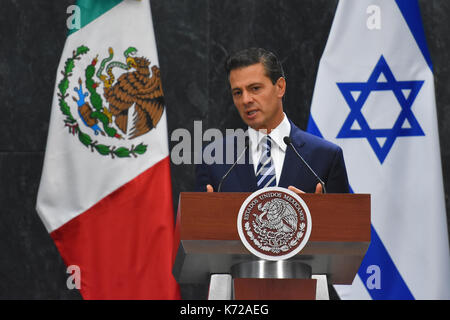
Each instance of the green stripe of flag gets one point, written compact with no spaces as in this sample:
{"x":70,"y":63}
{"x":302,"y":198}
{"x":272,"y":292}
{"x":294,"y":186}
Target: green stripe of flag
{"x":92,"y":9}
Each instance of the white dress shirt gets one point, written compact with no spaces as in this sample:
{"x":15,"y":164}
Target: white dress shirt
{"x":278,"y":150}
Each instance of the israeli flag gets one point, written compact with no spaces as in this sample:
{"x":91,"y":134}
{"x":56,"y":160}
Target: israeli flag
{"x":374,"y":97}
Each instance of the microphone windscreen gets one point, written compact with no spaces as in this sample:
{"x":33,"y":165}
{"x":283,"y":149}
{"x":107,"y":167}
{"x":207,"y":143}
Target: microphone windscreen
{"x":287,"y":140}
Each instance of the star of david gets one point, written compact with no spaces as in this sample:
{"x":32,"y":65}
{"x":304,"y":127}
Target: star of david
{"x":405,"y":125}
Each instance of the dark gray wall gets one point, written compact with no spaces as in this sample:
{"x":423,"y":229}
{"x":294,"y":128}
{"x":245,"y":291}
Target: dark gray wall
{"x":193,"y":38}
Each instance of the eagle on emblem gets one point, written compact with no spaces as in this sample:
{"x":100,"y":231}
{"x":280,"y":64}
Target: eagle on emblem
{"x":138,"y":88}
{"x":279,"y":216}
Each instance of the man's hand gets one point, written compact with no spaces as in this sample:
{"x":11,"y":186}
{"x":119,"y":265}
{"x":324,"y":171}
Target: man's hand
{"x":209,"y":188}
{"x":299,"y":192}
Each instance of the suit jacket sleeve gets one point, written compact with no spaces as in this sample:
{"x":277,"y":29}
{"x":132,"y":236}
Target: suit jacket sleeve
{"x":337,"y":181}
{"x":202,"y":177}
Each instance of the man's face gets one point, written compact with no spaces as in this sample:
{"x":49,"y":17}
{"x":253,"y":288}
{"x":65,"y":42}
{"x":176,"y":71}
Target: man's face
{"x":257,"y":99}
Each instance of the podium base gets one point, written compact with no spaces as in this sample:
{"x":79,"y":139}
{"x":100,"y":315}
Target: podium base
{"x":274,"y":289}
{"x":264,"y":269}
{"x":221,"y":287}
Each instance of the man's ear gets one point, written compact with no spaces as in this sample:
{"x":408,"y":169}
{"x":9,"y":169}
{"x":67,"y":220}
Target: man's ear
{"x":281,"y":86}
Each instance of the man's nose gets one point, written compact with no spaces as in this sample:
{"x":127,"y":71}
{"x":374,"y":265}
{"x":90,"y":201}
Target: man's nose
{"x":247,"y":97}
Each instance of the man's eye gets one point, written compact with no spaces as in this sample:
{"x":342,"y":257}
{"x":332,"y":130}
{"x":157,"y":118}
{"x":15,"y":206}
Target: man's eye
{"x":255,"y":88}
{"x":236,"y":93}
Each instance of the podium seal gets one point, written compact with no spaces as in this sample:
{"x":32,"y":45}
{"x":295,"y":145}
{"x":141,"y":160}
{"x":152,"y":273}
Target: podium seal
{"x":274,"y":223}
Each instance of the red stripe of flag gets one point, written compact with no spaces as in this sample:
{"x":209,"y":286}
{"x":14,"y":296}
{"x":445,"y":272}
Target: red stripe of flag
{"x":124,"y":243}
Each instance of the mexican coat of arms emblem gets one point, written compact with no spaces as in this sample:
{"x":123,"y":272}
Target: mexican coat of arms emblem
{"x":113,"y":100}
{"x":274,"y":223}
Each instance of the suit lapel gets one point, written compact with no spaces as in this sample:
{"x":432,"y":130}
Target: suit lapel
{"x":292,"y":166}
{"x":245,"y":174}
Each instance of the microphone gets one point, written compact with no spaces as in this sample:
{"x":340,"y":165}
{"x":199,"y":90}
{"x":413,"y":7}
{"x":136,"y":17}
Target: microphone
{"x":288,"y":142}
{"x":234,"y":164}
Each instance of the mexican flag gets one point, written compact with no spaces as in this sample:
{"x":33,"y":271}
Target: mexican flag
{"x":105,"y":195}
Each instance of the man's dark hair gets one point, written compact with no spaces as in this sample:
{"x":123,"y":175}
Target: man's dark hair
{"x":248,"y":57}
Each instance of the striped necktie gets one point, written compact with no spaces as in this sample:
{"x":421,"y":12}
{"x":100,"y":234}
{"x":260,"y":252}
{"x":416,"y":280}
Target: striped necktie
{"x":265,"y":173}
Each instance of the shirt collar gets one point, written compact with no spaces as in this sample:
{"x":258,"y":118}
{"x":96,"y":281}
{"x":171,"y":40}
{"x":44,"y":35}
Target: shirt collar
{"x":277,"y":134}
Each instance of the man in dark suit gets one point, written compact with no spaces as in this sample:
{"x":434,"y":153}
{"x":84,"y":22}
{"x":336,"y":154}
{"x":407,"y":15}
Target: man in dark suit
{"x":258,"y":85}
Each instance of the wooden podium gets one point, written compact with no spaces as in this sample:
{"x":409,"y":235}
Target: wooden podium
{"x":209,"y":242}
